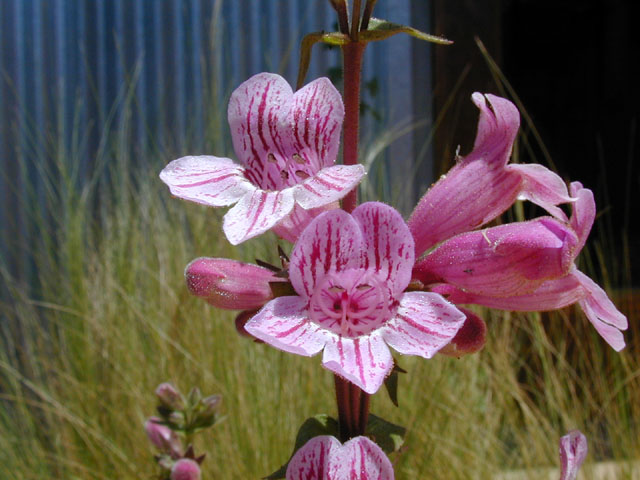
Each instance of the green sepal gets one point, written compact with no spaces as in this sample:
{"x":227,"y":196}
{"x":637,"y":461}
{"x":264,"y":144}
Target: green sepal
{"x":309,"y":40}
{"x":382,"y":29}
{"x":282,"y":289}
{"x":388,"y":436}
{"x":391,"y":382}
{"x":312,"y":427}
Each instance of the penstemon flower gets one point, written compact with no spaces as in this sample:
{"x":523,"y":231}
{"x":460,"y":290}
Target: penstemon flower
{"x":350,"y":272}
{"x":573,"y":451}
{"x":287,"y":145}
{"x":525,"y":266}
{"x":324,"y":458}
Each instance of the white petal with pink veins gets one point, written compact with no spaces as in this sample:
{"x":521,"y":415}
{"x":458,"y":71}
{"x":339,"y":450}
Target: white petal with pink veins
{"x":255,"y":213}
{"x":365,"y":361}
{"x":208,"y":180}
{"x":283,"y":323}
{"x":389,"y":247}
{"x":328,"y":185}
{"x":331,"y":243}
{"x":424,"y":323}
{"x":360,"y":459}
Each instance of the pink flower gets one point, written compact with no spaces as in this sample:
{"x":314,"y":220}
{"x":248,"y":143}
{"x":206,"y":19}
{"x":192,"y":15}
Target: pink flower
{"x":287,"y":144}
{"x":230,"y":284}
{"x":573,"y":451}
{"x":350,"y":273}
{"x":162,"y":437}
{"x":324,"y":458}
{"x":185,"y":469}
{"x":525,"y":266}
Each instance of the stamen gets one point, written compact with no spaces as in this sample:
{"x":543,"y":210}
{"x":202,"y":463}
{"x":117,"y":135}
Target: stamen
{"x":272,"y":158}
{"x":298,"y":159}
{"x":302,"y":174}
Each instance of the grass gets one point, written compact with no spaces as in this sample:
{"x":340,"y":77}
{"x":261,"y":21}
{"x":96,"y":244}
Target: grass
{"x":111,"y":319}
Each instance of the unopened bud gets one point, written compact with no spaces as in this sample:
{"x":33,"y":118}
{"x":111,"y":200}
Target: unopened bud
{"x":185,"y":469}
{"x":230,"y":284}
{"x":471,"y":338}
{"x":162,"y":437}
{"x":169,"y":397}
{"x":210,"y":404}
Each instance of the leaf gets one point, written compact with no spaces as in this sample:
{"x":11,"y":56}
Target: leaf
{"x":312,"y":427}
{"x":381,"y":29}
{"x":388,"y":436}
{"x":282,"y":289}
{"x":309,"y":40}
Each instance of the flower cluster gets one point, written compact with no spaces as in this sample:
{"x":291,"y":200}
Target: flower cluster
{"x":361,"y":281}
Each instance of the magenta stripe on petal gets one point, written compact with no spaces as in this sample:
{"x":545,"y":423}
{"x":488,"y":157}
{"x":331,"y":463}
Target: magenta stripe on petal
{"x":360,"y":459}
{"x":283,"y":323}
{"x":255,"y":213}
{"x":311,"y":462}
{"x":364,"y":361}
{"x":207,"y":180}
{"x":328,"y":185}
{"x":425,"y":322}
{"x":332,"y":242}
{"x":388,"y":244}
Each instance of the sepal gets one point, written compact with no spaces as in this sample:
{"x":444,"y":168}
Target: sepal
{"x":382,"y":29}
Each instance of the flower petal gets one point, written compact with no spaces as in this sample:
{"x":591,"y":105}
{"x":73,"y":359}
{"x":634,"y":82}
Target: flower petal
{"x":311,"y":462}
{"x":255,"y":213}
{"x":207,"y":180}
{"x":425,"y":322}
{"x":365,"y":361}
{"x":502,"y":261}
{"x":360,"y":459}
{"x":542,"y":187}
{"x":283,"y":323}
{"x":478,"y":188}
{"x":471,"y":337}
{"x":389,"y":248}
{"x":292,"y":226}
{"x":573,"y":451}
{"x":328,"y":185}
{"x":316,"y":122}
{"x":584,"y":212}
{"x":332,"y":242}
{"x":257,"y":115}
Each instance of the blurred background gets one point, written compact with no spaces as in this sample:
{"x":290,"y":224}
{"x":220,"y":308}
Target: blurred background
{"x":96,"y":96}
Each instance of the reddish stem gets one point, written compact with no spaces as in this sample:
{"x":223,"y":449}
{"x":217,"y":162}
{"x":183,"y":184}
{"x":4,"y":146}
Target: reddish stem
{"x":343,"y":399}
{"x":352,"y":54}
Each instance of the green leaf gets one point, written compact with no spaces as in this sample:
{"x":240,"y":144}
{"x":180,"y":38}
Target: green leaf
{"x":388,"y":436}
{"x":332,"y":38}
{"x":312,"y":427}
{"x":381,"y":29}
{"x":391,"y":382}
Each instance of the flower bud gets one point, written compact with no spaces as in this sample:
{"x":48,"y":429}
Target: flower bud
{"x":470,"y":338}
{"x":230,"y":284}
{"x":185,"y":469}
{"x":169,"y":397}
{"x":162,"y":437}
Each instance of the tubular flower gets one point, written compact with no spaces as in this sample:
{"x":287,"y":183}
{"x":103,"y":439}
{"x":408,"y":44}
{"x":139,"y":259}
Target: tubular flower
{"x":350,"y":273}
{"x":525,"y":266}
{"x":162,"y":437}
{"x":573,"y":451}
{"x":287,"y":145}
{"x":324,"y":458}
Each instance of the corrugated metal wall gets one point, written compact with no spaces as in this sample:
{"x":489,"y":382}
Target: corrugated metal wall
{"x":66,"y":67}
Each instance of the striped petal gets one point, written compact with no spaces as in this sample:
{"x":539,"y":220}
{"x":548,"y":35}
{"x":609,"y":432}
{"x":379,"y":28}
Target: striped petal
{"x":573,"y":451}
{"x":207,"y":180}
{"x":255,"y":213}
{"x":424,"y":323}
{"x":283,"y":323}
{"x":324,"y":458}
{"x":283,"y":137}
{"x":294,"y":224}
{"x":328,"y":185}
{"x":360,"y":459}
{"x":389,"y":247}
{"x":365,"y":361}
{"x":332,"y":242}
{"x":311,"y":462}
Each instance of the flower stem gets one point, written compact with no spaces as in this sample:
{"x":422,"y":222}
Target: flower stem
{"x":343,"y":399}
{"x":352,"y":55}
